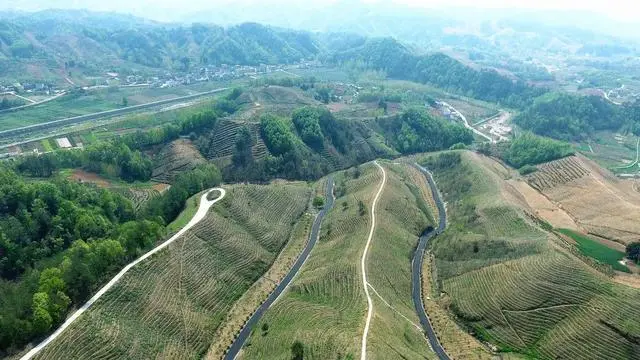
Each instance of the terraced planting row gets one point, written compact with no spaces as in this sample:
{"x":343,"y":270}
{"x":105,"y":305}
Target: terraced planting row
{"x":138,"y":196}
{"x":505,"y":278}
{"x":177,"y":157}
{"x":171,"y":305}
{"x":401,"y":216}
{"x":557,"y":172}
{"x":324,"y":308}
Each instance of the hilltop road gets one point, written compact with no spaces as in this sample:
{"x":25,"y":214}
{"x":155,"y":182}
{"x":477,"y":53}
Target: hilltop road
{"x":363,"y":264}
{"x":416,"y":265}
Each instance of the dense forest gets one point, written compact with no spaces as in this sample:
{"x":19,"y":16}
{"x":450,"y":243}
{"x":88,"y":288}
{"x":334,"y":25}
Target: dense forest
{"x":416,"y":131}
{"x":530,"y":149}
{"x":572,"y":117}
{"x":440,"y":70}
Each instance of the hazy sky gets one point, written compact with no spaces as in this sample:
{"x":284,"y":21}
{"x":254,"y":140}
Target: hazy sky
{"x":625,"y":10}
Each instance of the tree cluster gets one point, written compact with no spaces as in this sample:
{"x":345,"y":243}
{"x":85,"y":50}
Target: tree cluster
{"x":8,"y":104}
{"x":530,"y":149}
{"x":110,"y":158}
{"x":416,"y":131}
{"x":570,"y":117}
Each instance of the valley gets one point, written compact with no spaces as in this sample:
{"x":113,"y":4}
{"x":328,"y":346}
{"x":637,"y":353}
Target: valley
{"x":250,"y":191}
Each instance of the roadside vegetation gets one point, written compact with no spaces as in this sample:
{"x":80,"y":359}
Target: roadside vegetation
{"x":324,"y":307}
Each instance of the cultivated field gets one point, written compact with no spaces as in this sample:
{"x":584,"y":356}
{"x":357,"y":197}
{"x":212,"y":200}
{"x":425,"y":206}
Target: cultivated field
{"x":402,"y":214}
{"x":171,"y":305}
{"x":223,"y":139}
{"x":510,"y":282}
{"x":599,"y":202}
{"x":176,"y":157}
{"x":325,"y":306}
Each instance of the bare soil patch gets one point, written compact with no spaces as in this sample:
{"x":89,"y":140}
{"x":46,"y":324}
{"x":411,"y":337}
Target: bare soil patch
{"x":598,"y":202}
{"x":543,"y":207}
{"x":87,"y":177}
{"x":161,"y":187}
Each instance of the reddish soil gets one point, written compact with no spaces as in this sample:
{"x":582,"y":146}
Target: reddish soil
{"x":161,"y":187}
{"x":87,"y":177}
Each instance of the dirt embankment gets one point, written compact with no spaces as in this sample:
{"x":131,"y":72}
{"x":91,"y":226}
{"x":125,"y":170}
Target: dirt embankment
{"x":599,"y":202}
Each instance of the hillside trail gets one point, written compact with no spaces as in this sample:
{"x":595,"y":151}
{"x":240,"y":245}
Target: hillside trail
{"x":203,"y":209}
{"x":363,"y":351}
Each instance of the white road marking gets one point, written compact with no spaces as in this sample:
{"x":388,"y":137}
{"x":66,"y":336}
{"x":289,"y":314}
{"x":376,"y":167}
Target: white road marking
{"x":363,"y":351}
{"x":205,"y":204}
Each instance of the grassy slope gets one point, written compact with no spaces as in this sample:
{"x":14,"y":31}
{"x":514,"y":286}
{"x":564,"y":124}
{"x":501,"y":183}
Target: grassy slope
{"x":325,"y":307}
{"x":171,"y":305}
{"x":596,"y":250}
{"x":507,"y":280}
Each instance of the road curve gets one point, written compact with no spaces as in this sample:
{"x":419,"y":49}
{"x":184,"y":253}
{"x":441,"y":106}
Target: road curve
{"x":363,"y":261}
{"x":244,"y":334}
{"x":205,"y":204}
{"x":467,"y":125}
{"x":416,"y":266}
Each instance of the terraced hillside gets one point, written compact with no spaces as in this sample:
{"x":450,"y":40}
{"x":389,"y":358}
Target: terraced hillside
{"x":510,"y":282}
{"x":171,"y":305}
{"x":402,"y":214}
{"x":178,"y":156}
{"x":325,"y":308}
{"x":599,"y":202}
{"x":223,"y":138}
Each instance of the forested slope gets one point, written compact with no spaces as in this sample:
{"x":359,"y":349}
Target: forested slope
{"x":440,"y":70}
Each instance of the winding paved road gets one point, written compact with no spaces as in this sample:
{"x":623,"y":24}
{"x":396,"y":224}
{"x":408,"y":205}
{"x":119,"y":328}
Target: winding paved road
{"x":416,"y":265}
{"x":363,"y":265}
{"x":466,"y":123}
{"x":244,"y":334}
{"x":205,"y":204}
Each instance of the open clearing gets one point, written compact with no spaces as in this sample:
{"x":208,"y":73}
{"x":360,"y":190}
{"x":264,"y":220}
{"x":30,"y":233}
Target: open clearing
{"x":513,"y":283}
{"x":599,"y":202}
{"x":171,"y":305}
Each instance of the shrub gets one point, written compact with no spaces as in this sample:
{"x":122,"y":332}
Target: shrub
{"x":318,"y":202}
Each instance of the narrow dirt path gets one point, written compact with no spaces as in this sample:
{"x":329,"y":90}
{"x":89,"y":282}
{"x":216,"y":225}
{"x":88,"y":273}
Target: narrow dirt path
{"x":363,"y":262}
{"x":205,"y":204}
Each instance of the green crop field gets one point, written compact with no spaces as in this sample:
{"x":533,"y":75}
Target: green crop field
{"x":507,"y":281}
{"x":171,"y":305}
{"x":325,"y":307}
{"x":594,"y":249}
